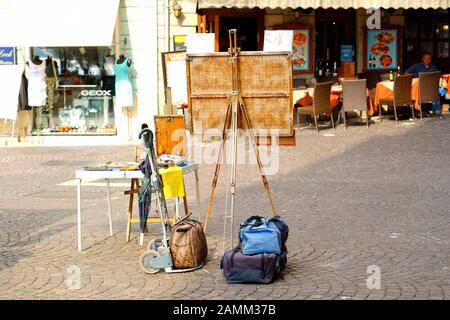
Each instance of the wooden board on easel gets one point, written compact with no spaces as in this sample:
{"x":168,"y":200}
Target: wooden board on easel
{"x":170,"y":135}
{"x":265,"y":87}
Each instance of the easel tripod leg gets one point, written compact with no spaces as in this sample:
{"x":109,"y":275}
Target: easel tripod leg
{"x":234,"y":121}
{"x":108,"y":192}
{"x":79,"y":214}
{"x":217,"y":170}
{"x":130,"y":211}
{"x":197,"y":191}
{"x":258,"y":158}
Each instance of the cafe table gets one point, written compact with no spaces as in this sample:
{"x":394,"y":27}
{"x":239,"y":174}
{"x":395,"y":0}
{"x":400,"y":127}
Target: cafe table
{"x":304,"y":97}
{"x":308,"y":94}
{"x":385,"y":90}
{"x":445,"y":82}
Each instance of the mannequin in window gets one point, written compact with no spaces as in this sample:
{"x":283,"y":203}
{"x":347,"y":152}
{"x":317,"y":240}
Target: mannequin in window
{"x":124,"y":89}
{"x":122,"y":59}
{"x":37,"y":87}
{"x":124,"y":96}
{"x":36,"y":60}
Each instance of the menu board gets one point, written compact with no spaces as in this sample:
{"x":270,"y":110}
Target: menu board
{"x":300,"y":50}
{"x":382,"y":49}
{"x":174,"y":69}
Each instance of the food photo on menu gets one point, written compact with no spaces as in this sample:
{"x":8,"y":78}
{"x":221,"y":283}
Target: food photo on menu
{"x":382,"y":45}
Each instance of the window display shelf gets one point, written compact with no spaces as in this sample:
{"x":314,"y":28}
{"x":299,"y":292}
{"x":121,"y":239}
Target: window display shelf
{"x":74,"y":133}
{"x":81,"y":96}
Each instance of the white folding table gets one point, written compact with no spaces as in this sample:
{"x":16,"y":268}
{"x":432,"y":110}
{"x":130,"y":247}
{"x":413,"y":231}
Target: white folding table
{"x":81,"y":174}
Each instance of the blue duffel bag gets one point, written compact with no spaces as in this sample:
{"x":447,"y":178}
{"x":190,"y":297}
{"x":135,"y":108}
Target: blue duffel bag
{"x":280,"y":224}
{"x":260,"y":235}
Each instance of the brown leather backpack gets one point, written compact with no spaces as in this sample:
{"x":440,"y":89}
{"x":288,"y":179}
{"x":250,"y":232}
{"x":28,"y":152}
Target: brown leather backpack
{"x":188,"y":244}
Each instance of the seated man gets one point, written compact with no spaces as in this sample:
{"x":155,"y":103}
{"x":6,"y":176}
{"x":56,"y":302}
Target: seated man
{"x":424,"y":66}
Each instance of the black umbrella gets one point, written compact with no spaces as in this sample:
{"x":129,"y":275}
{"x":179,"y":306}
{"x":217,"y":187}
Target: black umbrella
{"x":148,"y":186}
{"x":145,"y":193}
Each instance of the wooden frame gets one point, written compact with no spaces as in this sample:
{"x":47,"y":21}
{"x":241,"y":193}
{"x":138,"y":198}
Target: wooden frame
{"x":299,"y":27}
{"x":398,"y":47}
{"x":209,"y":90}
{"x":168,"y":128}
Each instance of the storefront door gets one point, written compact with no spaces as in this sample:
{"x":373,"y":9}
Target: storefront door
{"x":333,"y":29}
{"x":247,"y":32}
{"x":248,"y":22}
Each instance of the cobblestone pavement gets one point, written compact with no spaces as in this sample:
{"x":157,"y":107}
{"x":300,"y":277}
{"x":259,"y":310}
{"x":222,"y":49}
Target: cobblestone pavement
{"x":352,"y":200}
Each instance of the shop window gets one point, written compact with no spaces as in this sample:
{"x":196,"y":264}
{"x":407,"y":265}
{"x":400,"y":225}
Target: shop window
{"x":442,"y":30}
{"x":411,"y":49}
{"x":443,"y":49}
{"x":426,"y":30}
{"x":411,"y":30}
{"x":426,"y":46}
{"x":248,"y":22}
{"x":247,"y":32}
{"x":431,"y":34}
{"x":81,"y":97}
{"x":333,"y":28}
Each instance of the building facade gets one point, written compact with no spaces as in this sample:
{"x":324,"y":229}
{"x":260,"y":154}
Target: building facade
{"x":145,"y":29}
{"x":83,"y":109}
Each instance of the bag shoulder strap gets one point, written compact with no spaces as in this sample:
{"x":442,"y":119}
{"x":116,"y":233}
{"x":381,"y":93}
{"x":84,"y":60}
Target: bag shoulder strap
{"x":258,"y":221}
{"x":274,"y":218}
{"x":183,"y":219}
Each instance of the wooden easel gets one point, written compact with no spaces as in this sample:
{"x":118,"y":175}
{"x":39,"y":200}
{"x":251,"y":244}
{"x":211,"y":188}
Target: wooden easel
{"x":236,"y":113}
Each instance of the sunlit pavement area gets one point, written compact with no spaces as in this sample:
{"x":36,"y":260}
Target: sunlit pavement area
{"x":356,"y":200}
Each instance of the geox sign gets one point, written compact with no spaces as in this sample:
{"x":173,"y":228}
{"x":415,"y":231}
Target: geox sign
{"x":95,"y":93}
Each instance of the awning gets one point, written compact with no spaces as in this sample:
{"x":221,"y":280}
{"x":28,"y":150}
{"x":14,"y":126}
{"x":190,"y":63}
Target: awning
{"x":10,"y":78}
{"x":204,"y":4}
{"x":57,"y":23}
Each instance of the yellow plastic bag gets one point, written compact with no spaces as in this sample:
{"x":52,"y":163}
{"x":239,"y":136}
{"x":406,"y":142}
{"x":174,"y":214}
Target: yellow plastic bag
{"x":173,"y":182}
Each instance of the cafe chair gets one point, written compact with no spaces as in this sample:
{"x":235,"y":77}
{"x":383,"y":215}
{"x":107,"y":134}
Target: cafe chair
{"x":341,"y":79}
{"x":429,"y":89}
{"x":321,"y":104}
{"x":402,"y":95}
{"x":354,"y":97}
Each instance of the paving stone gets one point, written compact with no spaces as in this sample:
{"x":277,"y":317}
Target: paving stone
{"x":352,"y":199}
